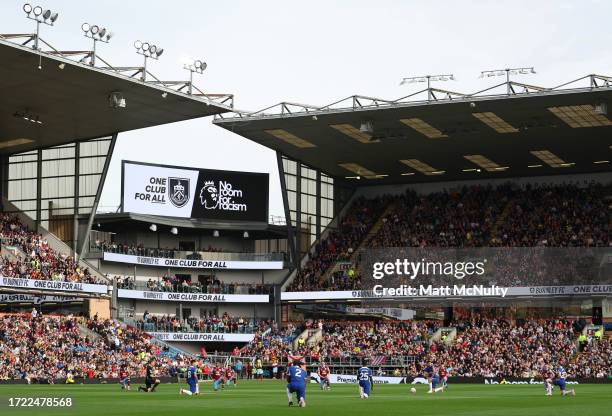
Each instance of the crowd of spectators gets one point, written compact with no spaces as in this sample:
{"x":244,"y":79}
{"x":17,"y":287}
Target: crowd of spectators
{"x":483,"y":347}
{"x":42,"y":349}
{"x":373,"y":339}
{"x":141,"y":250}
{"x":180,"y":284}
{"x":338,"y":246}
{"x":37,"y":259}
{"x":208,"y":324}
{"x":512,"y":217}
{"x":499,"y":348}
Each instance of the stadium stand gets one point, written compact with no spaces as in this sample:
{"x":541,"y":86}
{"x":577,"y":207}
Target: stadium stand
{"x":178,"y":284}
{"x":211,"y":324}
{"x":42,"y":349}
{"x":37,"y":260}
{"x":478,"y":216}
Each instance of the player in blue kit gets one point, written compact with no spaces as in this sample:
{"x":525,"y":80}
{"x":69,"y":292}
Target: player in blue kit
{"x":435,"y":380}
{"x":428,"y":373}
{"x":364,"y":378}
{"x":560,"y":381}
{"x":192,"y":381}
{"x":296,"y":383}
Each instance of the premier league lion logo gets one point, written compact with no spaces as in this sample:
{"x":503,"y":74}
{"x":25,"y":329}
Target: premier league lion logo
{"x":178,"y":190}
{"x":209,"y":195}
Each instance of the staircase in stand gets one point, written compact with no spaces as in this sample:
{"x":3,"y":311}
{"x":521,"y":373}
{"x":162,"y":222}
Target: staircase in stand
{"x":501,"y":219}
{"x":364,"y":243}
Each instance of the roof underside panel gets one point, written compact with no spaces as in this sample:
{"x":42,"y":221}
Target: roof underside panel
{"x":511,"y":129}
{"x":72,"y":103}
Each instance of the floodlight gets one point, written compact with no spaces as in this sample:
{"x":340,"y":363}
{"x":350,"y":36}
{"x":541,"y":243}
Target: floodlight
{"x":109,"y":35}
{"x":138,"y":44}
{"x":54,"y":17}
{"x":197,"y":64}
{"x":245,"y":234}
{"x":46,"y":14}
{"x":145,"y":46}
{"x":507,"y":72}
{"x":153,"y":227}
{"x":152,"y":48}
{"x":85,"y":27}
{"x":94,"y":29}
{"x":38,"y":11}
{"x":102,"y":32}
{"x":27,"y":8}
{"x":160,"y":51}
{"x":174,"y":230}
{"x":216,"y":233}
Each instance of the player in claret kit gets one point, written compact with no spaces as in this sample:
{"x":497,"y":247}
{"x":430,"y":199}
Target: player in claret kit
{"x":296,"y":383}
{"x":192,"y":381}
{"x":217,"y":375}
{"x":444,"y":378}
{"x":124,"y":378}
{"x":548,"y":377}
{"x":230,"y":376}
{"x":324,"y":377}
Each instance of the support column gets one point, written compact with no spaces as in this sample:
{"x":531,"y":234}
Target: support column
{"x":298,"y":213}
{"x":94,"y":208}
{"x":77,"y":182}
{"x":318,"y":206}
{"x":290,"y":236}
{"x":38,"y":187}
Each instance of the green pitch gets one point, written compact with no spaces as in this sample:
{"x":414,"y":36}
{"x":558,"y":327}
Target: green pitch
{"x":268,"y":398}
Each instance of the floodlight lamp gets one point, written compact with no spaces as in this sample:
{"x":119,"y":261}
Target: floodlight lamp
{"x":533,"y":71}
{"x":153,"y":227}
{"x":153,"y":49}
{"x":216,"y":233}
{"x":54,"y":17}
{"x":85,"y":27}
{"x":174,"y":230}
{"x":27,"y":8}
{"x":197,"y":64}
{"x":102,"y":32}
{"x":109,"y":35}
{"x":138,"y":44}
{"x":46,"y":14}
{"x":145,"y":46}
{"x":94,"y":29}
{"x":245,"y":234}
{"x":38,"y":11}
{"x":160,"y":51}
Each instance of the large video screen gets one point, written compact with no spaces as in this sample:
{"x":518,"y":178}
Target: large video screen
{"x":194,"y":193}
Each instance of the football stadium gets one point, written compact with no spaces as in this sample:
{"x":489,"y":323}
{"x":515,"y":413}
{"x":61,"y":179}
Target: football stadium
{"x":444,"y":251}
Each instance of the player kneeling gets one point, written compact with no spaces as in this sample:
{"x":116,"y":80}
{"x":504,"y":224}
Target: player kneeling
{"x":192,"y":381}
{"x":218,"y":377}
{"x":324,"y":377}
{"x":230,"y":376}
{"x":124,"y":379}
{"x":296,"y":383}
{"x":365,"y":380}
{"x":560,"y":381}
{"x":151,"y":382}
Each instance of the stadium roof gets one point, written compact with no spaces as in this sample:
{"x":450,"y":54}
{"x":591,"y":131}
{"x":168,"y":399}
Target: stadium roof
{"x":523,"y":131}
{"x":73,"y":103}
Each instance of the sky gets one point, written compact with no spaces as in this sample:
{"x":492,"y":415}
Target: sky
{"x":317,"y":52}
